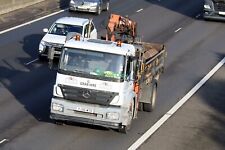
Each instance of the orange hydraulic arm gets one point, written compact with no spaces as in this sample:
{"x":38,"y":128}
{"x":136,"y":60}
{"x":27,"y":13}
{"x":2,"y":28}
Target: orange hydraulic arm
{"x":121,"y":28}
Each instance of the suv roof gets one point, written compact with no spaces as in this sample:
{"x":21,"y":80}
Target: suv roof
{"x":72,"y":21}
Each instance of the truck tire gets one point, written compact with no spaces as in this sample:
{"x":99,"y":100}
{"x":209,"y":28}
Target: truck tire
{"x":150,"y":106}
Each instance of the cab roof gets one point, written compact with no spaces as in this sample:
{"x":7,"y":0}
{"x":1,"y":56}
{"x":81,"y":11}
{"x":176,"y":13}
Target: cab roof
{"x":72,"y":21}
{"x":101,"y":46}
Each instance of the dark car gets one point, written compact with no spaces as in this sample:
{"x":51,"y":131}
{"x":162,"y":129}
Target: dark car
{"x":214,"y":10}
{"x":95,"y":6}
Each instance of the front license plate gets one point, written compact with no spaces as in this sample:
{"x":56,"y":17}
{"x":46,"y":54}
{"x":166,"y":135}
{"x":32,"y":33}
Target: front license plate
{"x":82,"y":109}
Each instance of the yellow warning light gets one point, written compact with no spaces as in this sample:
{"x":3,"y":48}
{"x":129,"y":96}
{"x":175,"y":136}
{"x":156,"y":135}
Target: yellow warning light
{"x":119,"y":43}
{"x":77,"y":37}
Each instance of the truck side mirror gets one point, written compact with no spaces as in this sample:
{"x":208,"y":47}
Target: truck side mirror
{"x":45,"y":30}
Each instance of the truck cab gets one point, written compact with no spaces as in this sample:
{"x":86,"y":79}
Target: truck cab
{"x":214,"y":10}
{"x":96,"y":82}
{"x":56,"y":35}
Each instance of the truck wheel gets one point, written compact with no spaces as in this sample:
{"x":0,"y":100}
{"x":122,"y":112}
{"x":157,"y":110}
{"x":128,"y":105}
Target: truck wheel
{"x":150,"y":106}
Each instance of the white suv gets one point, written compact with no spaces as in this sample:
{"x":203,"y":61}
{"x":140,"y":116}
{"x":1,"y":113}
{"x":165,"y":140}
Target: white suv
{"x":56,"y":35}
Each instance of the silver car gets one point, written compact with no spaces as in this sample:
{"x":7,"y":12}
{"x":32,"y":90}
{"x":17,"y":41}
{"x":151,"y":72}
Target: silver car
{"x":95,"y":6}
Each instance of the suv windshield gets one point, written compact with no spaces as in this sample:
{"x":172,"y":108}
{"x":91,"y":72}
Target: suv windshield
{"x":96,"y":64}
{"x":63,"y":29}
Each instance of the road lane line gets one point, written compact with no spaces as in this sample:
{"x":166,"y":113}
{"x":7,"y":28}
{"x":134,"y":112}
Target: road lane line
{"x":30,"y":22}
{"x":177,"y":30}
{"x":4,"y":140}
{"x":162,"y":120}
{"x":31,"y":61}
{"x":139,"y":10}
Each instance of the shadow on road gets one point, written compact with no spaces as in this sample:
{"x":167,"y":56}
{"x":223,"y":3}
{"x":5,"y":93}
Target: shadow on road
{"x":30,"y":84}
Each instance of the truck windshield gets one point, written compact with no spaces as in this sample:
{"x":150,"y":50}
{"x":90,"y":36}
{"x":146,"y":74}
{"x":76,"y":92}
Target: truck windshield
{"x":98,"y":65}
{"x":63,"y":29}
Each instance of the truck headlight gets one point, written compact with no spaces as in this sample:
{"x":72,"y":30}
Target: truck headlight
{"x":112,"y":115}
{"x":206,"y":6}
{"x":57,"y":107}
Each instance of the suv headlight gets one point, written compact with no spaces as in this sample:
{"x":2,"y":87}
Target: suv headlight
{"x":42,"y":46}
{"x":112,"y":115}
{"x":58,"y":91}
{"x":57,"y":107}
{"x":43,"y":43}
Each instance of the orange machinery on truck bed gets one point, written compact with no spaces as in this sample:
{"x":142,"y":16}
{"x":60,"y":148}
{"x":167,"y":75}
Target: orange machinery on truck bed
{"x":121,"y":28}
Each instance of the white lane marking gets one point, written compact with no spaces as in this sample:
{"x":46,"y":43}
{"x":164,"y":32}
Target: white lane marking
{"x":4,"y":140}
{"x":139,"y":10}
{"x":197,"y":16}
{"x":31,"y":61}
{"x":162,"y":120}
{"x":177,"y":30}
{"x":30,"y":22}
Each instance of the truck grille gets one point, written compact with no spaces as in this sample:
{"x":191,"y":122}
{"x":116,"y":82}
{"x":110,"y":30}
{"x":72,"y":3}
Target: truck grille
{"x":87,"y":95}
{"x":220,"y":6}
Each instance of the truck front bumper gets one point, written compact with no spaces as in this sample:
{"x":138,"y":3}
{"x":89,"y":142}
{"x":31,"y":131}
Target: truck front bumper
{"x":85,"y":121}
{"x":89,"y":113}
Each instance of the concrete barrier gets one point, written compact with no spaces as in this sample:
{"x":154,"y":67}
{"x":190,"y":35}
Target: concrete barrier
{"x":10,"y":5}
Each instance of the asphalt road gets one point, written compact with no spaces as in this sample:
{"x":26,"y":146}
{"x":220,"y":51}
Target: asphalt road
{"x":26,"y":89}
{"x":199,"y":124}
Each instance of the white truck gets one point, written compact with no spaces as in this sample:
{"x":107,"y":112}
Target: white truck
{"x":56,"y":35}
{"x":104,"y":83}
